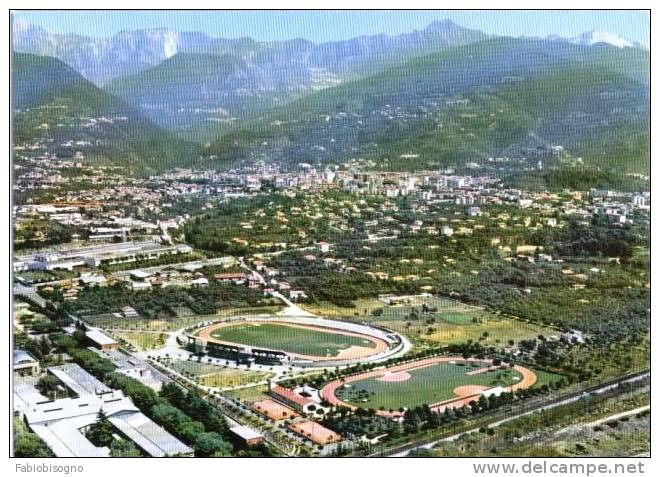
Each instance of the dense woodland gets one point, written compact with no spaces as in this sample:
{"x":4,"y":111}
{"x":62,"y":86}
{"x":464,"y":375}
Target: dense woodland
{"x":160,"y":302}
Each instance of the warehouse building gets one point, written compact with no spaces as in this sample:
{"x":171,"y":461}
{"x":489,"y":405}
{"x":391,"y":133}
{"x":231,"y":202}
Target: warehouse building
{"x":105,"y":254}
{"x":61,"y":423}
{"x":24,"y":363}
{"x":247,"y":435}
{"x":101,"y":341}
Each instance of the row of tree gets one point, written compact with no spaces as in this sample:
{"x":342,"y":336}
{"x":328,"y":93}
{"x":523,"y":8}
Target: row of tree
{"x":188,"y":417}
{"x":162,"y":302}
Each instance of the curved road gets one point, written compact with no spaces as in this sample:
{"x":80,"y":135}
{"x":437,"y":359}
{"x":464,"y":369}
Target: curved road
{"x":291,"y":308}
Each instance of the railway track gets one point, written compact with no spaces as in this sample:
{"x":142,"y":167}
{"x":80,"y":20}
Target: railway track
{"x":526,"y":408}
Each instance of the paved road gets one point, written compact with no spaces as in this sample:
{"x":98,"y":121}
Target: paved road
{"x":230,"y":409}
{"x":291,"y":308}
{"x":280,"y":252}
{"x":598,"y":390}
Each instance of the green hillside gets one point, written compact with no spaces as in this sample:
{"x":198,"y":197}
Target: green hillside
{"x":179,"y":70}
{"x":502,"y":97}
{"x":54,"y":105}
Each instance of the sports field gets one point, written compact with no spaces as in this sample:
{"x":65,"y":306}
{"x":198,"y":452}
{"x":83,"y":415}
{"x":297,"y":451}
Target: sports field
{"x":432,"y":381}
{"x":299,"y":340}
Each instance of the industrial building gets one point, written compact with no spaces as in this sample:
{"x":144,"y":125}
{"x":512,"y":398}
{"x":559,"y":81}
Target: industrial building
{"x":95,"y":256}
{"x":61,"y":423}
{"x":24,"y":363}
{"x":247,"y":435}
{"x":100,"y":340}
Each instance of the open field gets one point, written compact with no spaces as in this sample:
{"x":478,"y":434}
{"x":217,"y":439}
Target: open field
{"x":112,"y":321}
{"x":436,"y":319}
{"x":25,"y":319}
{"x":545,"y":377}
{"x":251,"y":394}
{"x":438,"y":382}
{"x":365,"y":308}
{"x":26,"y":316}
{"x":144,"y":341}
{"x":217,"y":376}
{"x":294,"y":339}
{"x":489,"y":330}
{"x":629,"y":436}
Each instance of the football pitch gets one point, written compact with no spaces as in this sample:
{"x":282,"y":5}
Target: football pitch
{"x":427,"y":385}
{"x":291,"y":339}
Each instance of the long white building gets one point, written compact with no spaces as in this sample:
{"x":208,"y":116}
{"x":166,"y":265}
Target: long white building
{"x":61,"y":423}
{"x":94,"y":256}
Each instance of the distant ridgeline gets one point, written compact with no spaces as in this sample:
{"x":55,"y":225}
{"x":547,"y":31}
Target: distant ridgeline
{"x":58,"y":110}
{"x":543,"y":113}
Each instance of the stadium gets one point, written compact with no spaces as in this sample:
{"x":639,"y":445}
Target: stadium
{"x":296,"y":341}
{"x":439,"y":382}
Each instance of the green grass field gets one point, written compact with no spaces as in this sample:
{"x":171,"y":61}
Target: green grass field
{"x":290,"y":339}
{"x":216,"y":376}
{"x":427,"y":385}
{"x":545,"y":377}
{"x":144,"y":341}
{"x":251,"y":394}
{"x":436,"y":319}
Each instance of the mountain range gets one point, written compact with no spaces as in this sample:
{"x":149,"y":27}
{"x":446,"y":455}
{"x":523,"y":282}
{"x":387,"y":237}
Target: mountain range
{"x":499,"y":97}
{"x":186,"y":79}
{"x":595,"y":37}
{"x":445,"y":95}
{"x":59,"y":112}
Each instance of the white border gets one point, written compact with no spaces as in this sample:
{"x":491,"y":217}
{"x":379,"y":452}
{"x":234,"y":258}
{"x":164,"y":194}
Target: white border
{"x":318,"y":468}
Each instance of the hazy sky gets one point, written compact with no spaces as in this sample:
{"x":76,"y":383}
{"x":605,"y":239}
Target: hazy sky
{"x":326,"y":25}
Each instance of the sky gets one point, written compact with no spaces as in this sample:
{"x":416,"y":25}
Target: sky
{"x":328,"y":25}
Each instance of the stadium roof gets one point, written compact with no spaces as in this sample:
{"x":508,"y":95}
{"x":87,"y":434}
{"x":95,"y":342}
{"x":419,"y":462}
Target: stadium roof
{"x":140,"y":274}
{"x":496,"y":391}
